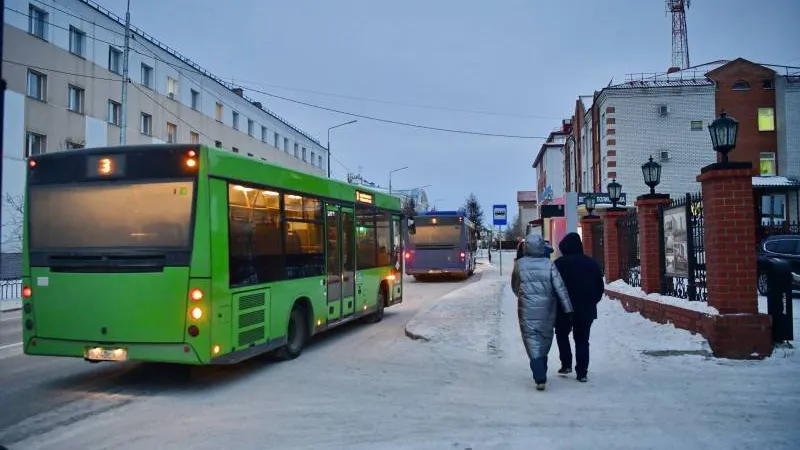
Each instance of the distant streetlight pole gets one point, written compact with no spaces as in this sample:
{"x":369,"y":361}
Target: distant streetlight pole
{"x":123,"y":130}
{"x":329,"y":142}
{"x":390,"y":177}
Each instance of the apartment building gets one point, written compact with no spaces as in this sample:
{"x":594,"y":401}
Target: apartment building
{"x":63,"y":62}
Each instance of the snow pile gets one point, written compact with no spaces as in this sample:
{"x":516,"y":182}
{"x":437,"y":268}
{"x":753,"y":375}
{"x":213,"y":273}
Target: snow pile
{"x":10,"y":304}
{"x":624,"y":288}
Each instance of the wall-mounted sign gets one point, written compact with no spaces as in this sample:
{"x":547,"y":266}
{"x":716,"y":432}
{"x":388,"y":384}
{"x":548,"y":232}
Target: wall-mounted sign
{"x":552,"y":211}
{"x":601,"y":198}
{"x":547,"y":194}
{"x":364,"y":197}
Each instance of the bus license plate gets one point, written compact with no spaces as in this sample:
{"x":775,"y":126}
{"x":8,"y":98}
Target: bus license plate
{"x":106,"y":354}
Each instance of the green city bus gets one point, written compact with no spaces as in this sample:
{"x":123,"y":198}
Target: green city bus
{"x":194,"y":255}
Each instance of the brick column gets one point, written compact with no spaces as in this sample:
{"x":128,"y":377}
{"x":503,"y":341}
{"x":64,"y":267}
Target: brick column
{"x":650,"y":256}
{"x":587,"y":232}
{"x":611,"y":243}
{"x":728,"y":216}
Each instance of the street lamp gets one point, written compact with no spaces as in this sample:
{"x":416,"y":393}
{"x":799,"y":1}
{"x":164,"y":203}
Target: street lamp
{"x":614,"y":192}
{"x":723,"y":134}
{"x":329,"y":142}
{"x":651,"y":171}
{"x":590,"y":201}
{"x":390,"y":176}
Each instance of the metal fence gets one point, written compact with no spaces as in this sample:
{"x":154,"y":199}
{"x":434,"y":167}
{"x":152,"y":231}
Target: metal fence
{"x":683,"y":263}
{"x":10,"y":289}
{"x":763,"y":231}
{"x":629,"y":263}
{"x":597,"y":245}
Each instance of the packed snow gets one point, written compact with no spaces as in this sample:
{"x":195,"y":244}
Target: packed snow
{"x":468,"y":386}
{"x":624,"y":288}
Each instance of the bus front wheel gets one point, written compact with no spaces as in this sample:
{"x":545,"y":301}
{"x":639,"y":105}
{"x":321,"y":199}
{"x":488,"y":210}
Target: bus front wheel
{"x":296,"y":335}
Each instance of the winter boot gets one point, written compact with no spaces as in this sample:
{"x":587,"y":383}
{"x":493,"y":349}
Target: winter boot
{"x":540,"y":387}
{"x":583,"y":379}
{"x":565,"y":370}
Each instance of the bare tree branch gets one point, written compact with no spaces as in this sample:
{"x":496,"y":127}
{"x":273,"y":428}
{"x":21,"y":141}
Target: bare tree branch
{"x":13,"y":208}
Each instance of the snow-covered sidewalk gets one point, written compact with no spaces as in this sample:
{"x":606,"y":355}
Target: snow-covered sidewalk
{"x":10,"y":304}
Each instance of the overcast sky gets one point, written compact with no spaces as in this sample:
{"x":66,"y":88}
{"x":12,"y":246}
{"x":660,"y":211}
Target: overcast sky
{"x":523,"y":61}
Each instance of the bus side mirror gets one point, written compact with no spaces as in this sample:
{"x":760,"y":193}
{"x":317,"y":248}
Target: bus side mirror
{"x":412,"y":229}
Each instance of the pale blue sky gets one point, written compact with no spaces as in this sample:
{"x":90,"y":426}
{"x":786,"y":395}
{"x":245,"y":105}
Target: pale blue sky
{"x":525,"y":58}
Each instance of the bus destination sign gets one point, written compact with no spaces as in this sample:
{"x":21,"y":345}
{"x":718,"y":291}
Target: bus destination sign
{"x":105,"y":166}
{"x":364,"y":197}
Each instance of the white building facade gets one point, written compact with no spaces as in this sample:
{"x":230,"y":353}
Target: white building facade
{"x":63,"y":62}
{"x":667,"y":120}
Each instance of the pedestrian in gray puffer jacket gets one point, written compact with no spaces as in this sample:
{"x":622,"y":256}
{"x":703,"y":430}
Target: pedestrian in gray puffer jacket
{"x":538,"y":286}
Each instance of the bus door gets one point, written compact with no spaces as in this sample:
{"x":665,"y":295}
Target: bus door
{"x":340,"y":261}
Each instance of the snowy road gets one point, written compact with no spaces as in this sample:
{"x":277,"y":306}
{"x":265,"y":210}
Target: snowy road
{"x":40,"y":394}
{"x":369,"y":387}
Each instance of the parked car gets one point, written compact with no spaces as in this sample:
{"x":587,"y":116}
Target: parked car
{"x":781,"y":246}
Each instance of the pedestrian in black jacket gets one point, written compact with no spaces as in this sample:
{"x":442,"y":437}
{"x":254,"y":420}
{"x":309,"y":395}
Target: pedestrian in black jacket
{"x":584,"y":280}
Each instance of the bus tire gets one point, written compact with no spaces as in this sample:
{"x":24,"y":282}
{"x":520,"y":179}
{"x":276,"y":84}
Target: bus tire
{"x":377,"y":316}
{"x":296,"y":335}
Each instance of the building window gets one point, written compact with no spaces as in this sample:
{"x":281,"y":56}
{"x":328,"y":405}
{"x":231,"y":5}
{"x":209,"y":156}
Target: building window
{"x":172,"y":133}
{"x":76,"y":99}
{"x":35,"y":144}
{"x":194,"y":137}
{"x":305,"y":158}
{"x":235,"y":120}
{"x":773,"y":209}
{"x":172,"y":87}
{"x":277,"y":138}
{"x":147,"y":76}
{"x":766,"y":119}
{"x":218,"y":112}
{"x":218,"y":144}
{"x":313,"y":158}
{"x":251,"y":127}
{"x":740,"y":85}
{"x":767,"y":164}
{"x":319,"y":164}
{"x":264,"y":134}
{"x":697,"y":125}
{"x":114,"y":60}
{"x":195,"y":100}
{"x":286,"y":145}
{"x":74,"y":145}
{"x":146,"y":124}
{"x":37,"y":85}
{"x":235,"y":150}
{"x":37,"y":22}
{"x":296,"y":150}
{"x":114,"y":112}
{"x":768,"y":84}
{"x":77,"y":41}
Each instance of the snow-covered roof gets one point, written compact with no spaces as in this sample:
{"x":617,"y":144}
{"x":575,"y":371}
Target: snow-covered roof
{"x":774,"y":181}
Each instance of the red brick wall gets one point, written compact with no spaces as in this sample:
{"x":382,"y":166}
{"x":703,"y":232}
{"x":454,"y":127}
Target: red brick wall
{"x":743,"y":106}
{"x":587,"y":234}
{"x":650,"y":241}
{"x":611,"y":243}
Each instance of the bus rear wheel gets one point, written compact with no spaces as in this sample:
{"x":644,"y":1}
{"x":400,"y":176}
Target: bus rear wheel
{"x":296,"y":335}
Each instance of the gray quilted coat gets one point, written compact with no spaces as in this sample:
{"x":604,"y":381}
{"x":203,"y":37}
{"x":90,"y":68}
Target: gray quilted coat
{"x":538,"y":286}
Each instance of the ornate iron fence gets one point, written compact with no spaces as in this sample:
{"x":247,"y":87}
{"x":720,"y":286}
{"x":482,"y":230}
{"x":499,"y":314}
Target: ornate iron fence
{"x":597,"y":245}
{"x":629,"y":264}
{"x":10,"y":289}
{"x":763,"y":231}
{"x":683,"y":262}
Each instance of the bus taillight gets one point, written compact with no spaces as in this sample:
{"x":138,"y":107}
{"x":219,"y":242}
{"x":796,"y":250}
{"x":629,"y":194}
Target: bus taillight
{"x":197,"y":313}
{"x":27,"y":292}
{"x":408,"y":255}
{"x":196,"y":295}
{"x":462,"y":255}
{"x":191,"y":162}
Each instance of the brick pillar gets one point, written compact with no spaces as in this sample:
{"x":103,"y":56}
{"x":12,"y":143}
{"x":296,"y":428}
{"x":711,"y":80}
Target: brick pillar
{"x":611,"y":243}
{"x":650,"y":255}
{"x":587,"y":233}
{"x":728,"y":215}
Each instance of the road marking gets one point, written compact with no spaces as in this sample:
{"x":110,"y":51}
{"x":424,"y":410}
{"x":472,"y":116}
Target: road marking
{"x":2,"y":347}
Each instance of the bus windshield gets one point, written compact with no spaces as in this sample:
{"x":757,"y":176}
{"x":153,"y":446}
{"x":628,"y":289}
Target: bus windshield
{"x":92,"y":215}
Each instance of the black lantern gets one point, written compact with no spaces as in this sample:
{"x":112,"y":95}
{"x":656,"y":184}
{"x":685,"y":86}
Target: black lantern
{"x":614,"y":192}
{"x":651,"y":171}
{"x":590,"y":201}
{"x":723,"y":134}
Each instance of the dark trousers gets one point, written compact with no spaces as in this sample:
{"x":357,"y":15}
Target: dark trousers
{"x":580,"y":329}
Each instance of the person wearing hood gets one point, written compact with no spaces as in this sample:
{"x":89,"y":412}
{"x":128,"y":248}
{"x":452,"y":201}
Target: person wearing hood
{"x":539,"y":288}
{"x":583,"y":278}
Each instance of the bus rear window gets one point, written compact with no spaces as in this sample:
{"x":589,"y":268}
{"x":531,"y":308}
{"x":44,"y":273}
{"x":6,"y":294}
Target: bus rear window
{"x":91,"y":215}
{"x":436,"y":235}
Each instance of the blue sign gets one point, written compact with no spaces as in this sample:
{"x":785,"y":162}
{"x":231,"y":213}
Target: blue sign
{"x":499,"y":215}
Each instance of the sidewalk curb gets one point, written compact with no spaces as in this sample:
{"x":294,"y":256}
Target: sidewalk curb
{"x":414,"y":336}
{"x":11,"y":310}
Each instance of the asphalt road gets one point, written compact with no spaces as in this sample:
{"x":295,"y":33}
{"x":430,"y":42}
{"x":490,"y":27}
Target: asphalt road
{"x":39,"y":394}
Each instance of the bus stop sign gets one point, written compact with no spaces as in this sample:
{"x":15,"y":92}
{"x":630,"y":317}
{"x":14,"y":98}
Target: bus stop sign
{"x":499,"y":216}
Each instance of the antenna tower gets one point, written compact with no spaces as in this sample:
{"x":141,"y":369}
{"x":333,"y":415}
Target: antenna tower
{"x":680,"y":42}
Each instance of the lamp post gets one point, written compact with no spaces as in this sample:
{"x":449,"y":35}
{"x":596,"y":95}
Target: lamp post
{"x":329,"y":142}
{"x":614,"y":192}
{"x":651,"y":171}
{"x":723,"y":134}
{"x":590,"y":201}
{"x":390,"y":177}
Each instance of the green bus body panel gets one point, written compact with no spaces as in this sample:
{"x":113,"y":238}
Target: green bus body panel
{"x":148,"y":313}
{"x":129,"y":307}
